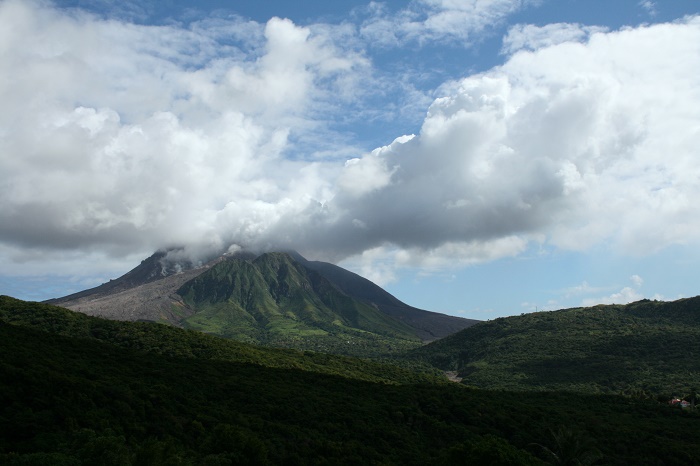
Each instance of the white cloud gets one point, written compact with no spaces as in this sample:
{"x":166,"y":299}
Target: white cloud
{"x":464,"y":21}
{"x":531,"y":37}
{"x":376,"y":264}
{"x":120,"y":137}
{"x":382,"y":262}
{"x":637,"y":281}
{"x":571,"y":141}
{"x":626,"y":295}
{"x":649,"y":7}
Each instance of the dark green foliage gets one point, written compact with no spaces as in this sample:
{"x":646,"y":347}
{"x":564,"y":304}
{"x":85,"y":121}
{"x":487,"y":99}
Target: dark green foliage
{"x":645,"y":349}
{"x":488,"y":450}
{"x":170,"y":341}
{"x":428,"y":326}
{"x":276,"y":301}
{"x":571,"y":448}
{"x":67,"y":400}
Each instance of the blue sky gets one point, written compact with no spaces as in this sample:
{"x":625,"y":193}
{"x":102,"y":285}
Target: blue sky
{"x":475,"y":157}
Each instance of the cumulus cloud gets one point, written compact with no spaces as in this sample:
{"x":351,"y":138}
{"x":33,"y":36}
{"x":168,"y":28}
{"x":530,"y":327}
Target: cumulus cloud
{"x":587,"y":295}
{"x":381,"y":262}
{"x":584,"y":143}
{"x":363,"y":175}
{"x":117,"y":137}
{"x":626,"y":295}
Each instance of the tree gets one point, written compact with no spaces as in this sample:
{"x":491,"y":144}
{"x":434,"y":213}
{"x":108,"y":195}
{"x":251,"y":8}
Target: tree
{"x":571,"y":448}
{"x":488,"y":450}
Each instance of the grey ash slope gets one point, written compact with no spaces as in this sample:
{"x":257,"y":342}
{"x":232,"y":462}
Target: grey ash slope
{"x":154,"y":291}
{"x":154,"y":268}
{"x":147,"y":292}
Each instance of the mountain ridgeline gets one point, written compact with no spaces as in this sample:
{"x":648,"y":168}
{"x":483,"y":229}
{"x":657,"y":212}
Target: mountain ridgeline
{"x":275,"y":299}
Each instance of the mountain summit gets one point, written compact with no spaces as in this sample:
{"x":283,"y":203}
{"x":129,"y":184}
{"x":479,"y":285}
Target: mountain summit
{"x":276,"y":299}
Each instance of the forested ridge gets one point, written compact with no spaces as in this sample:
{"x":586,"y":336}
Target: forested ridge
{"x":647,"y":348}
{"x":82,"y":400}
{"x":166,"y":340}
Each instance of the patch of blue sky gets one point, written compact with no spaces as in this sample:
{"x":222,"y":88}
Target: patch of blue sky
{"x":549,"y":280}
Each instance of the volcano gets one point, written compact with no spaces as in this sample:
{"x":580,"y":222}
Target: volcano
{"x":275,"y":298}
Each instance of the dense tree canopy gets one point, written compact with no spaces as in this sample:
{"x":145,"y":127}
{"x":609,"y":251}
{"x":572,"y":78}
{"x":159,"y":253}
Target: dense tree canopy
{"x":70,"y":400}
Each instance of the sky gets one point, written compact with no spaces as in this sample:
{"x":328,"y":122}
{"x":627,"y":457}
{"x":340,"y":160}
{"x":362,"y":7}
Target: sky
{"x":480,"y":158}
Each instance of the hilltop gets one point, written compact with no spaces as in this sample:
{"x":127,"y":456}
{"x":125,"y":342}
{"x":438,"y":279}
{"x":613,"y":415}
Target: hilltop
{"x":646,"y":348}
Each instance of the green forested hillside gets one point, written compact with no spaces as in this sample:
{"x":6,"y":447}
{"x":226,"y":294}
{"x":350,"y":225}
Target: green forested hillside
{"x":170,"y":341}
{"x":276,"y":301}
{"x":429,"y":326}
{"x":83,"y":401}
{"x":645,"y":348}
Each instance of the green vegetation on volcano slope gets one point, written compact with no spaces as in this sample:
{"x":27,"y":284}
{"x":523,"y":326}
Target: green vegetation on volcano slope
{"x":81,"y":401}
{"x":645,"y":348}
{"x":275,"y":301}
{"x":171,"y":341}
